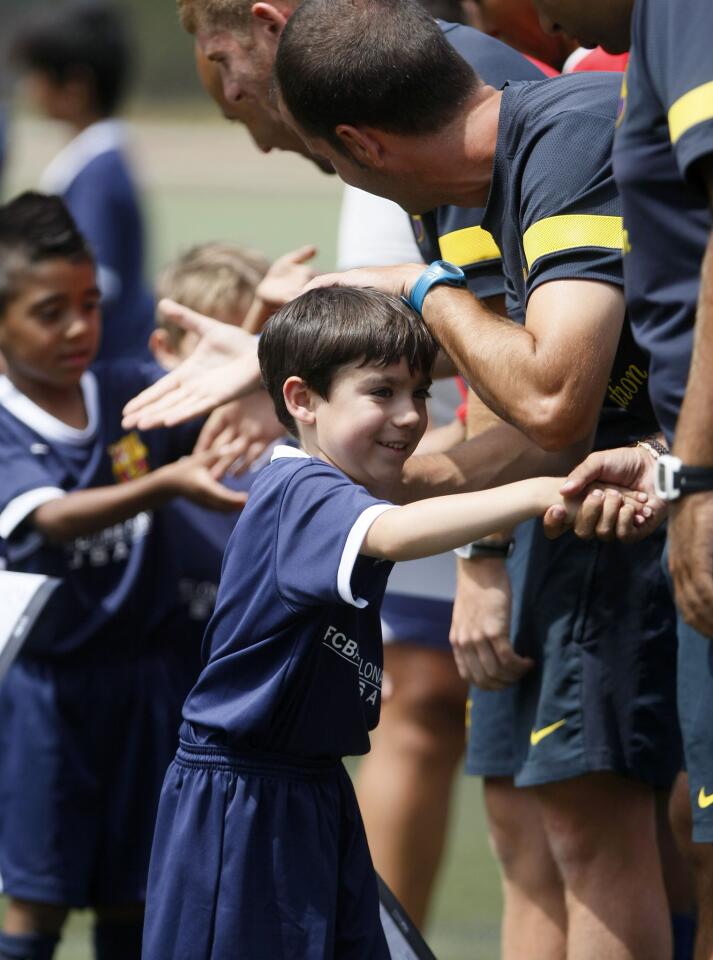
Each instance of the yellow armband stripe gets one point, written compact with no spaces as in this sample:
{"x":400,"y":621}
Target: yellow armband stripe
{"x":692,"y":108}
{"x":569,"y":231}
{"x":469,"y":245}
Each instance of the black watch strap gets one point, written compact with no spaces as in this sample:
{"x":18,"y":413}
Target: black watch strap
{"x":674,"y":479}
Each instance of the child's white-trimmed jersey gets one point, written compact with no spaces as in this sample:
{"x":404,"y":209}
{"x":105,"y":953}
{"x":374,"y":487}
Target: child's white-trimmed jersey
{"x":293,"y":652}
{"x":117,"y":583}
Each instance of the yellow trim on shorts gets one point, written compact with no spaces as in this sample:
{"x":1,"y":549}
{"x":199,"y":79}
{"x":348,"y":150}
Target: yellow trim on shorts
{"x":469,"y":245}
{"x":568,"y":231}
{"x":692,"y":108}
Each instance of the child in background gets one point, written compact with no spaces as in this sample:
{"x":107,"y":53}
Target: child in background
{"x":259,"y":848}
{"x":89,"y":710}
{"x":222,"y":281}
{"x":76,"y":57}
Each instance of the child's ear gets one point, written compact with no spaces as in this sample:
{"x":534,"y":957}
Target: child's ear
{"x":299,"y":400}
{"x":163,"y":350}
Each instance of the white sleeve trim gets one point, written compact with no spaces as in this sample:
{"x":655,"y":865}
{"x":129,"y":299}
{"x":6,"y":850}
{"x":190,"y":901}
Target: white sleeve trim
{"x":351,"y":550}
{"x":21,"y":507}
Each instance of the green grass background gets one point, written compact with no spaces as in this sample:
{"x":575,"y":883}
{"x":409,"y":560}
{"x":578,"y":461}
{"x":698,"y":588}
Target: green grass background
{"x":203,"y":180}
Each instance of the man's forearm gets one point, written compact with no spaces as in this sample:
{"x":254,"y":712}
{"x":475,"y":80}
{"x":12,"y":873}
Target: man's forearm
{"x":499,"y":454}
{"x":488,"y":349}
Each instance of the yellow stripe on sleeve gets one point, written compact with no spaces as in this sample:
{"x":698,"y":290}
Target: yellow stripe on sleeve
{"x":469,"y":245}
{"x":568,"y":231}
{"x":692,"y":108}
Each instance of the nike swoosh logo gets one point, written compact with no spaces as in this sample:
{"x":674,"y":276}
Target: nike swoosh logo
{"x":703,"y":800}
{"x":538,"y":735}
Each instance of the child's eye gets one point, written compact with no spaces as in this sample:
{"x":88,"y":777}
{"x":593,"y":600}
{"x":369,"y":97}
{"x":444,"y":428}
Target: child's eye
{"x":50,"y":315}
{"x":382,"y":392}
{"x":423,"y":394}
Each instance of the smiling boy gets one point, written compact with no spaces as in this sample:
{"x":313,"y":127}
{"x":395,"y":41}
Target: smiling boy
{"x":259,"y":848}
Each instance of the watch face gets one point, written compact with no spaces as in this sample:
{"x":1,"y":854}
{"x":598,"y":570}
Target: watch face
{"x":449,"y":270}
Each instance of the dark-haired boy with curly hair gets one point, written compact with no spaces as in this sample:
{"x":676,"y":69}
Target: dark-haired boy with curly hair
{"x":88,"y":712}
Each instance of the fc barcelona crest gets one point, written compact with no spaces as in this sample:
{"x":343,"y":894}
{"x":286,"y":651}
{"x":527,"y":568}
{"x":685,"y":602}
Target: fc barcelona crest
{"x":129,"y":458}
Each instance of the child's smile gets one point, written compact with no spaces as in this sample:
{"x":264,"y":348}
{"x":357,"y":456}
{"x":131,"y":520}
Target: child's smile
{"x":371,"y":423}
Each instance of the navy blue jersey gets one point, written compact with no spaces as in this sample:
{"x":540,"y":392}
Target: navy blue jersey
{"x":554,"y":220}
{"x":114,"y":587}
{"x":293,"y":652}
{"x":93,"y":177}
{"x":665,"y":126}
{"x":195,"y":546}
{"x":455,"y":233}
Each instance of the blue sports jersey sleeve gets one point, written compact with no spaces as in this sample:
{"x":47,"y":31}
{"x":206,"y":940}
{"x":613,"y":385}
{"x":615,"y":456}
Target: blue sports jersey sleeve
{"x":323,"y":520}
{"x":679,"y":41}
{"x":455,"y":233}
{"x":25,"y":483}
{"x":572,"y":232}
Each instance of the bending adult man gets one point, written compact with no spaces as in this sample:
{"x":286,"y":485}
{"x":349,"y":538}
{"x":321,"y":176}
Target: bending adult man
{"x":451,"y":141}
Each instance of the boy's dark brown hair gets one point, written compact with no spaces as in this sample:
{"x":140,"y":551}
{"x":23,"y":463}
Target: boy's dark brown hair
{"x":35,"y":227}
{"x":325,"y":329}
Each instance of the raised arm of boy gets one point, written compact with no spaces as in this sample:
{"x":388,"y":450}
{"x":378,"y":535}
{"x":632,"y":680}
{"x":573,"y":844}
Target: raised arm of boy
{"x":88,"y":511}
{"x":427,"y":527}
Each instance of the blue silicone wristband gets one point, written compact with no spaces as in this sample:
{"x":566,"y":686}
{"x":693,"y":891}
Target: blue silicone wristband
{"x":438,"y":272}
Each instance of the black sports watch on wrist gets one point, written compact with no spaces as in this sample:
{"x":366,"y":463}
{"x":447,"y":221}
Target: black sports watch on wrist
{"x":674,"y":480}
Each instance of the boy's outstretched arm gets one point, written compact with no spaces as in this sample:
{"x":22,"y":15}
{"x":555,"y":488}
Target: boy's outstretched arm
{"x":428,"y":527}
{"x":88,"y":511}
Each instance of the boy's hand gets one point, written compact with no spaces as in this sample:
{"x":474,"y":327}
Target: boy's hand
{"x":626,"y":471}
{"x":222,"y":367}
{"x":394,"y":280}
{"x":240,"y":431}
{"x":192,"y":477}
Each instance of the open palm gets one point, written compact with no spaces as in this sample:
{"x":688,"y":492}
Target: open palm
{"x":222,"y":367}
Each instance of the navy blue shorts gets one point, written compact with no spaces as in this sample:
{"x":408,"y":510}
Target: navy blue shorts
{"x":260,"y":858}
{"x":84,"y":745}
{"x":597,"y":618}
{"x":490,"y":727}
{"x":421,"y":621}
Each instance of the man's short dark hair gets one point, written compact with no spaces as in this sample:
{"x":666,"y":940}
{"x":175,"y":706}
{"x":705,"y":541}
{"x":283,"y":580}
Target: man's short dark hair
{"x":325,"y":329}
{"x":378,"y":63}
{"x":33,"y":228}
{"x":83,"y":39}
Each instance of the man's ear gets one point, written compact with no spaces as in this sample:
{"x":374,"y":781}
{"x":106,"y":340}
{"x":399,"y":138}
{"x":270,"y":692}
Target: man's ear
{"x":162,"y":349}
{"x":271,"y":16}
{"x":299,"y":400}
{"x":364,"y":144}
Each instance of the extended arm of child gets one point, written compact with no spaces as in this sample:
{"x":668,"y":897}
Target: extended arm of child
{"x":428,"y":527}
{"x":88,"y":511}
